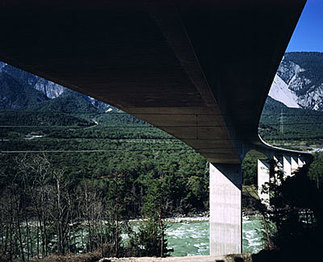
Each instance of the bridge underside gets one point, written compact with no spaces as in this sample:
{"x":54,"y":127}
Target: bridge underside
{"x":200,"y":70}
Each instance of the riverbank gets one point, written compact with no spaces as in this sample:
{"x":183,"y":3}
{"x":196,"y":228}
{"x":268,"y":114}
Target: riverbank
{"x":229,"y":258}
{"x":94,"y":256}
{"x":250,"y":208}
{"x":189,"y":239}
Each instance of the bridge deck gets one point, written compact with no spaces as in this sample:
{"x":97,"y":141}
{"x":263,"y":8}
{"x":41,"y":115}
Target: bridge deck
{"x":200,"y":70}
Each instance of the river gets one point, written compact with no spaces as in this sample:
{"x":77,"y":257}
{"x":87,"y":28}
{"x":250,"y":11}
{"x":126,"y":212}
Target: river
{"x":189,"y":238}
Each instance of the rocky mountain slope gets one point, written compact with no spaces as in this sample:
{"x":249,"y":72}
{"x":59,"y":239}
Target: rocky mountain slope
{"x":280,"y":92}
{"x":299,"y":81}
{"x":48,"y":88}
{"x":15,"y":94}
{"x":22,"y":90}
{"x":297,"y":84}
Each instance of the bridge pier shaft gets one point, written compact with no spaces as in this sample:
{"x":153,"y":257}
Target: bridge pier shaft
{"x":300,"y":162}
{"x":288,"y":164}
{"x":294,"y":165}
{"x":225,"y":209}
{"x":263,"y":178}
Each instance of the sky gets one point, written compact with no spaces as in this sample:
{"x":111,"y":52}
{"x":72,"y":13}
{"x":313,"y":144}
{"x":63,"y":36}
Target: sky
{"x":308,"y":35}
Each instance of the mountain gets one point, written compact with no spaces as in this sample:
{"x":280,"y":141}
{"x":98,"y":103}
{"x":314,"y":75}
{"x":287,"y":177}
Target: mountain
{"x":299,"y":80}
{"x":22,"y":90}
{"x":297,"y":84}
{"x":280,"y":92}
{"x":48,"y":88}
{"x":17,"y":95}
{"x":68,"y":102}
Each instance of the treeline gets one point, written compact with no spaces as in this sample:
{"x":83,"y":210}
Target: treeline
{"x":49,"y":210}
{"x":77,"y":202}
{"x":39,"y":119}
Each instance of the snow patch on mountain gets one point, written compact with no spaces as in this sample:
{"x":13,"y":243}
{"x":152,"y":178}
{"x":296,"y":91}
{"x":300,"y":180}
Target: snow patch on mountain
{"x":280,"y":92}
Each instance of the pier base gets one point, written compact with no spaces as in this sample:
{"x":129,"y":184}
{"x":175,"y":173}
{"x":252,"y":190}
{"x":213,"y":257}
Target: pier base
{"x":225,"y":209}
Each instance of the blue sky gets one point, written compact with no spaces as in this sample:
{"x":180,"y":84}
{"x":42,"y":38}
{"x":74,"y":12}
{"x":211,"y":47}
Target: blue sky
{"x":308,"y":35}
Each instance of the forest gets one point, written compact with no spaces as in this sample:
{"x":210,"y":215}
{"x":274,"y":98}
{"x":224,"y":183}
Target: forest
{"x":103,"y":170}
{"x":291,"y":127}
{"x":73,"y":181}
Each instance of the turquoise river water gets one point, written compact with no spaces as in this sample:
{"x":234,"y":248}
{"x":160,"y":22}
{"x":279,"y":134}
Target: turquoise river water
{"x":190,"y":238}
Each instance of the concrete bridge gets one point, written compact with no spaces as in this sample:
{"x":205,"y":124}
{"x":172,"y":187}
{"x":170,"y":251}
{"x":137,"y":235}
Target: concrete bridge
{"x":197,"y":69}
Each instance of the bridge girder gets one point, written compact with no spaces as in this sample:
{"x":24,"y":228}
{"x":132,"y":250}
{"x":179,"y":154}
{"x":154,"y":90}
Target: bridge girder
{"x":200,"y":70}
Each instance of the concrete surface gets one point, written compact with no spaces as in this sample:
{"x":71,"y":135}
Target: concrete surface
{"x":263,"y":177}
{"x":200,"y":70}
{"x":225,"y":209}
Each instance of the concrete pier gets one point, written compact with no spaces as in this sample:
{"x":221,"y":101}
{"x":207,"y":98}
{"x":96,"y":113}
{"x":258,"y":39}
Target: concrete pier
{"x":294,"y":165}
{"x":225,"y":209}
{"x":300,"y":162}
{"x":263,"y":177}
{"x":287,"y":166}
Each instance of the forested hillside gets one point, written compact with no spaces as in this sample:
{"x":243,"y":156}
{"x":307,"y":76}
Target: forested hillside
{"x":15,"y":95}
{"x":283,"y":126}
{"x":74,"y":170}
{"x":69,"y":172}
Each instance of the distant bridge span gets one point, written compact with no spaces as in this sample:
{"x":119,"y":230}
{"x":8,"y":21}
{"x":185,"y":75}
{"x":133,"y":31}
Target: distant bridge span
{"x":197,"y":69}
